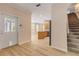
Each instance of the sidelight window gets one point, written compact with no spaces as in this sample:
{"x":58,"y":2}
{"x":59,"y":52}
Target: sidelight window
{"x":10,"y":24}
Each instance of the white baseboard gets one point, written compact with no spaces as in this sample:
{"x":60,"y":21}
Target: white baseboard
{"x":58,"y":48}
{"x":20,"y":43}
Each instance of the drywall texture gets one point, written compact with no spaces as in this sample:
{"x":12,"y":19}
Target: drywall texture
{"x":25,"y":19}
{"x":59,"y":26}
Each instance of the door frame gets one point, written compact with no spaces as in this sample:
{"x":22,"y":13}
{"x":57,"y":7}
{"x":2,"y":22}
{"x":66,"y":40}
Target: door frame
{"x":18,"y":19}
{"x":50,"y":33}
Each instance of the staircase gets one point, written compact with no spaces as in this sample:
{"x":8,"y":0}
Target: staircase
{"x":73,"y":37}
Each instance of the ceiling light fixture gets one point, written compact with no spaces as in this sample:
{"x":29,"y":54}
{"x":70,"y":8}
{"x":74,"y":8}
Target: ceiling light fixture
{"x":38,"y":5}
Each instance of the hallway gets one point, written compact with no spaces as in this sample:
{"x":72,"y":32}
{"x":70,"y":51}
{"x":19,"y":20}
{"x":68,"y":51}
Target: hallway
{"x":43,"y":34}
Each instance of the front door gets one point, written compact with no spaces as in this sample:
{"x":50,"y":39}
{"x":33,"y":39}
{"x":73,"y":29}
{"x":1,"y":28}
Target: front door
{"x":8,"y":30}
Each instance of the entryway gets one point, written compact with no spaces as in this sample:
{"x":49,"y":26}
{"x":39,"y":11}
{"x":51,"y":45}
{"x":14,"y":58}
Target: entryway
{"x":8,"y":30}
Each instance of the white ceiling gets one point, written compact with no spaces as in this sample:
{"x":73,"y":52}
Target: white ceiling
{"x":32,"y":6}
{"x":39,"y":14}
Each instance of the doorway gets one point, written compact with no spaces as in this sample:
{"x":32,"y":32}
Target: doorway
{"x":41,"y":33}
{"x":8,"y":30}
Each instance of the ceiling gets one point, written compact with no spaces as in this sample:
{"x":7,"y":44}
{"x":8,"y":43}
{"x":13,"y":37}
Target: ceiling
{"x":39,"y":14}
{"x":32,"y":6}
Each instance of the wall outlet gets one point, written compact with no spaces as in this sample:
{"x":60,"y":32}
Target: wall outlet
{"x":10,"y":43}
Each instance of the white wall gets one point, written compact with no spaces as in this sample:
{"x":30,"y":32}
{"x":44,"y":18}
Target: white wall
{"x":59,"y":26}
{"x":25,"y":19}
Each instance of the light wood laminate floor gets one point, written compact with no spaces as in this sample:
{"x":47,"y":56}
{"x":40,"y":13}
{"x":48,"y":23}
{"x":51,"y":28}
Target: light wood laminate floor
{"x":30,"y":49}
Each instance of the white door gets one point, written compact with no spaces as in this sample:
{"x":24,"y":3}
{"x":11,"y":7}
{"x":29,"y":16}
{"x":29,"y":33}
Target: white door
{"x":8,"y":30}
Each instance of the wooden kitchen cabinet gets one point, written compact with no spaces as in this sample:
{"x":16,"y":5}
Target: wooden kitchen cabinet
{"x":42,"y":35}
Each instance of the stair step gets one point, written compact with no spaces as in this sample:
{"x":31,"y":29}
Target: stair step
{"x":73,"y":50}
{"x":71,"y":45}
{"x":74,"y":45}
{"x":73,"y":33}
{"x":73,"y":36}
{"x":74,"y":30}
{"x":73,"y":24}
{"x":74,"y":27}
{"x":69,"y":40}
{"x":73,"y":40}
